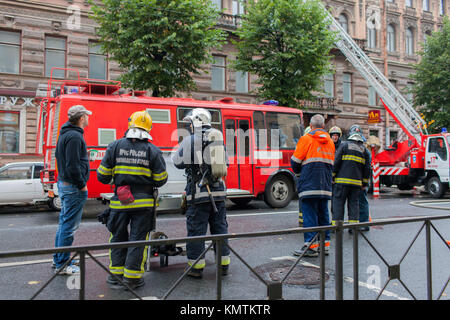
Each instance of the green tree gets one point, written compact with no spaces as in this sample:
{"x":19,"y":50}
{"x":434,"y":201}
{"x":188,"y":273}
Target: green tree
{"x":160,"y":43}
{"x":287,"y":44}
{"x":432,"y":80}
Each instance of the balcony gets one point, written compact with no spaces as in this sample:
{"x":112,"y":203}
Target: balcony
{"x":229,"y":21}
{"x":320,"y":103}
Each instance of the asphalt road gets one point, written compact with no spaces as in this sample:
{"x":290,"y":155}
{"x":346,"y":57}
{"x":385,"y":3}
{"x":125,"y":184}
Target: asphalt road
{"x":24,"y":228}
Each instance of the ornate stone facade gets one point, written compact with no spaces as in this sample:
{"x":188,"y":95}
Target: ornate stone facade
{"x":35,"y":20}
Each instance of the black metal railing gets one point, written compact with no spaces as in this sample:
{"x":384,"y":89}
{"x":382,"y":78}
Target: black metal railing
{"x":274,"y":288}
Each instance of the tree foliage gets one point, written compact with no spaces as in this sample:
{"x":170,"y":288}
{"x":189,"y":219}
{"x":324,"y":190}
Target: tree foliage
{"x":432,"y":80}
{"x":287,"y":44}
{"x":160,"y":43}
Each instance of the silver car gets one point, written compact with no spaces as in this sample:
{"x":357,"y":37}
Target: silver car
{"x":20,"y":183}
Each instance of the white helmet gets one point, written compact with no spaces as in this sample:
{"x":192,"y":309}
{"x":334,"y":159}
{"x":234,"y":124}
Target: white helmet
{"x":199,"y":117}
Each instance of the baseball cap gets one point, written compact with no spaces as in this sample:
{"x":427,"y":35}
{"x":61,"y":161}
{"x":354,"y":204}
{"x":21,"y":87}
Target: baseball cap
{"x":78,"y":110}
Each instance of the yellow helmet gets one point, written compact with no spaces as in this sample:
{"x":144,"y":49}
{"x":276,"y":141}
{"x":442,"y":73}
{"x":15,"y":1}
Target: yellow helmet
{"x":335,"y":130}
{"x":140,"y":119}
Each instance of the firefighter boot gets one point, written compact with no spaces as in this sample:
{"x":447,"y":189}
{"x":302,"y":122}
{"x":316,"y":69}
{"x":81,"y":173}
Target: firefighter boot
{"x":196,"y":273}
{"x":133,"y":283}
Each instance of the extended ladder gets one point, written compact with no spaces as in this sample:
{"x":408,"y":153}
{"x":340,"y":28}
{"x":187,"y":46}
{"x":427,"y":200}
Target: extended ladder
{"x":399,"y":107}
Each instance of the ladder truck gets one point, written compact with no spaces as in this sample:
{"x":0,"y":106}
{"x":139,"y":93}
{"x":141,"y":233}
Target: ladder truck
{"x":422,"y":159}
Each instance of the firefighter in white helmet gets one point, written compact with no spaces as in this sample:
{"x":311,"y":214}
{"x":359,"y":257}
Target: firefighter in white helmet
{"x":336,"y":134}
{"x":137,"y":168}
{"x":202,"y":155}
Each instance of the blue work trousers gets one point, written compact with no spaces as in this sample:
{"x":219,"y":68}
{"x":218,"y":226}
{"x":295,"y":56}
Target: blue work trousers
{"x":315,"y":213}
{"x":363,"y":206}
{"x":72,"y":202}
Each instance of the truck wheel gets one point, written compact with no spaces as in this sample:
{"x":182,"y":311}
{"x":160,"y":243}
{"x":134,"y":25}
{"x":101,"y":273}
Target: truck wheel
{"x":435,"y":187}
{"x":55,"y":203}
{"x":279,"y":192}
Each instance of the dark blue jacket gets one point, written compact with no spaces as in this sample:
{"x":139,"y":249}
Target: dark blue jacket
{"x":71,"y":156}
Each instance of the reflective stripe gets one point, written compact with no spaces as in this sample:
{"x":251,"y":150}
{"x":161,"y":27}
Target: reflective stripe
{"x":295,"y":159}
{"x":315,"y":193}
{"x":353,"y":221}
{"x":104,"y":171}
{"x":225,"y":260}
{"x":138,"y":203}
{"x":114,"y":270}
{"x":205,"y":194}
{"x":310,"y":160}
{"x":160,"y":176}
{"x":132,"y":170}
{"x":348,"y":181}
{"x":200,"y":264}
{"x":354,"y":158}
{"x":133,"y":273}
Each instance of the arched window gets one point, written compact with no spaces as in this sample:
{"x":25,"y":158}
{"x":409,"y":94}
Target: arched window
{"x":409,"y":41}
{"x":390,"y":41}
{"x":343,"y":21}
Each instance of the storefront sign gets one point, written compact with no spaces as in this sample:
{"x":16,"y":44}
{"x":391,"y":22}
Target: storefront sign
{"x":27,"y":102}
{"x":374,"y":116}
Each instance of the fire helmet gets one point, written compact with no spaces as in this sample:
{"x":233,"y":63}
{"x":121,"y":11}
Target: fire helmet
{"x":335,"y":130}
{"x":199,"y":117}
{"x":139,"y":125}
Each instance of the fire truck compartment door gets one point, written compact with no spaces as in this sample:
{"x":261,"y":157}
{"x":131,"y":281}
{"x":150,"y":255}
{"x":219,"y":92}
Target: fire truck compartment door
{"x":437,"y":157}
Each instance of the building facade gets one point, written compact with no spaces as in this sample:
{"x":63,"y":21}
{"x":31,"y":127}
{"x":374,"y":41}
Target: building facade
{"x":36,"y":36}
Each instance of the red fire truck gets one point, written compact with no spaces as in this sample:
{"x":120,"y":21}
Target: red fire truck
{"x":260,"y":139}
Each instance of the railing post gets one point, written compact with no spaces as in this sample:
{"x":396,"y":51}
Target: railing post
{"x":355,"y":264}
{"x":82,"y":275}
{"x":428,"y":253}
{"x":339,"y":275}
{"x":322,"y":264}
{"x":218,"y":244}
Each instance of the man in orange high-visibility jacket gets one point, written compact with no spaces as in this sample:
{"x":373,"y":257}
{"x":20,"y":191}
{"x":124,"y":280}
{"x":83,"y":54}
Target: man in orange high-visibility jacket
{"x":312,"y":162}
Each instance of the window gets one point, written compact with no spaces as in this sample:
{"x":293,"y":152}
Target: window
{"x":426,"y":5}
{"x":217,"y":3}
{"x":426,"y":35}
{"x":343,"y":21}
{"x":442,"y":7}
{"x":106,"y":136}
{"x":328,"y":85}
{"x":241,"y":82}
{"x":37,"y":171}
{"x":390,"y":1}
{"x":371,"y":38}
{"x":409,"y":42}
{"x":16,"y":172}
{"x":409,"y":94}
{"x":347,"y":87}
{"x":437,"y":145}
{"x":9,"y":132}
{"x":260,"y":130}
{"x":393,"y":135}
{"x":159,"y":116}
{"x":238,"y":8}
{"x":409,"y":3}
{"x":390,"y":41}
{"x":374,"y":132}
{"x":97,"y":62}
{"x":218,"y":73}
{"x":55,"y":56}
{"x":9,"y":51}
{"x":283,"y":130}
{"x":372,"y":96}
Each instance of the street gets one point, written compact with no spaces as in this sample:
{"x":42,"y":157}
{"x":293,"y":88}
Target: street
{"x":23,"y":228}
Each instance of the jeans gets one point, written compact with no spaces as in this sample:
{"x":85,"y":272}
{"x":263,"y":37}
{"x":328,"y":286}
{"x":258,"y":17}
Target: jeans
{"x":72,"y":202}
{"x":315,"y":213}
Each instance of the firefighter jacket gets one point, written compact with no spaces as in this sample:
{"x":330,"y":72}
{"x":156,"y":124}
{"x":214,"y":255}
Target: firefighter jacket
{"x":312,"y":163}
{"x":136,"y":163}
{"x":352,"y":164}
{"x":190,"y":156}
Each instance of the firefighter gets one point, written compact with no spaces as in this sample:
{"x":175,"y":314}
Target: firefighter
{"x":336,"y":134}
{"x":205,"y":192}
{"x":351,"y":173}
{"x":136,"y":167}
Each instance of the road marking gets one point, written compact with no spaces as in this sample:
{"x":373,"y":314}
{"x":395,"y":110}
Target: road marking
{"x":347,"y":279}
{"x":28,"y":262}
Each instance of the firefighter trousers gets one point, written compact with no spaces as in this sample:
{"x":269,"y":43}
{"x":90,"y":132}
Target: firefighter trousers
{"x":129,"y":262}
{"x":198,"y":217}
{"x":342,"y":194}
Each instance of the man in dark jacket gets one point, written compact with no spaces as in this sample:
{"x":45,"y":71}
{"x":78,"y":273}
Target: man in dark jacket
{"x":136,"y":167}
{"x":73,"y":174}
{"x":351,"y":173}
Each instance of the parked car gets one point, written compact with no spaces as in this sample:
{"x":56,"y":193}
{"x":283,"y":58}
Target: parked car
{"x":20,"y":184}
